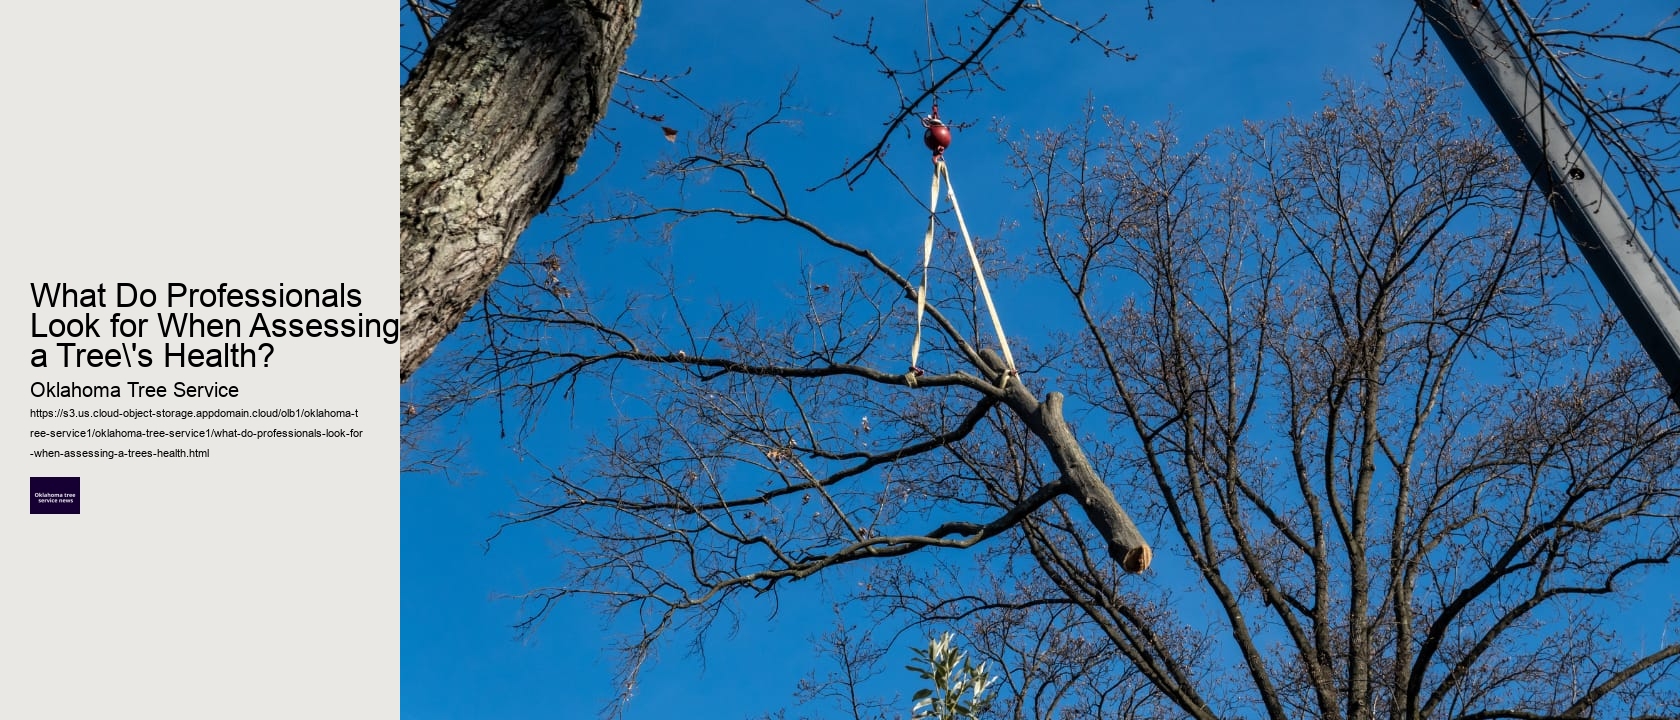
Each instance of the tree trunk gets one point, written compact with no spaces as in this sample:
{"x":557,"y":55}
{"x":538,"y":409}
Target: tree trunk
{"x":493,"y":119}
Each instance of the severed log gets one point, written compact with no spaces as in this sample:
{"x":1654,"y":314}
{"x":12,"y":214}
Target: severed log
{"x":1125,"y":543}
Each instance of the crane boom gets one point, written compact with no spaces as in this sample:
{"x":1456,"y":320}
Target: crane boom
{"x":1561,"y":168}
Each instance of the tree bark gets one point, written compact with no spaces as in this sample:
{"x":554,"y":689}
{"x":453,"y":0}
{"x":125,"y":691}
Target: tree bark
{"x":493,"y":119}
{"x":1126,"y":545}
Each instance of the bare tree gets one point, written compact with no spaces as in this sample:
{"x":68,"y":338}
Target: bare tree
{"x":1348,"y":387}
{"x":1397,"y":469}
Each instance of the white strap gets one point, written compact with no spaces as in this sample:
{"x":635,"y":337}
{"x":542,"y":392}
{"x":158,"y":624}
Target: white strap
{"x":979,"y":275}
{"x":927,"y":256}
{"x":940,"y":170}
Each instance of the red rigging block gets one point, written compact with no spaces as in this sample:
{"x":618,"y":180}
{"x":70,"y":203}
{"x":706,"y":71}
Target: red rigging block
{"x":937,"y":137}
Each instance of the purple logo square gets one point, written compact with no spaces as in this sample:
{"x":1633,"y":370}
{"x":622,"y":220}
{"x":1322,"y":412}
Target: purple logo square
{"x":55,"y":496}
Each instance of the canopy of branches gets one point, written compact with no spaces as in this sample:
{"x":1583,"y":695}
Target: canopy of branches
{"x":1333,"y":363}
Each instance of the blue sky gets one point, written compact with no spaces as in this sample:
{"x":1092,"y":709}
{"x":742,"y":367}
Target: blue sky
{"x":1211,"y":65}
